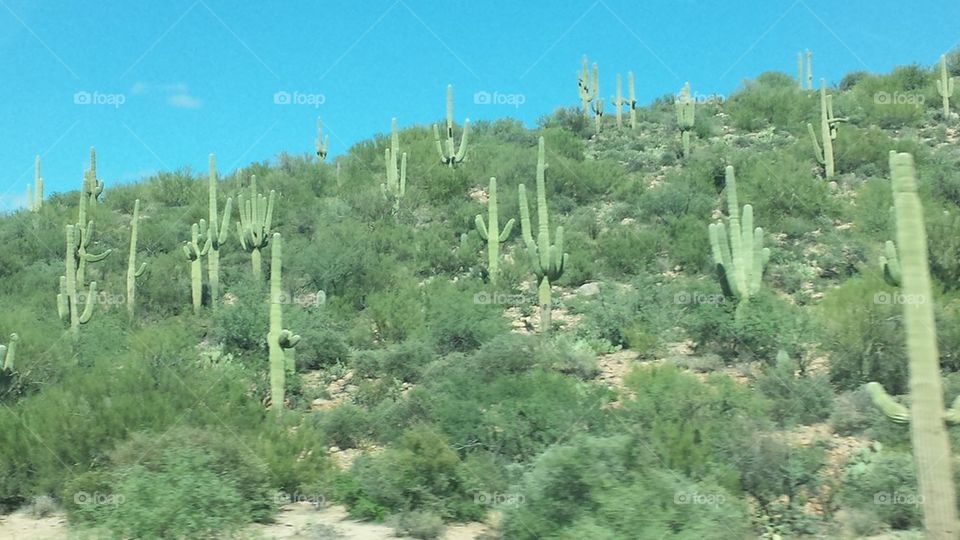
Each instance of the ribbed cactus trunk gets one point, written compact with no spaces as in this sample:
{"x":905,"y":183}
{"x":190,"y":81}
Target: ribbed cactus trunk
{"x":218,"y":235}
{"x":68,"y":301}
{"x":490,"y":231}
{"x":278,"y":362}
{"x":825,"y":131}
{"x":945,"y":86}
{"x":132,"y":271}
{"x":931,"y":446}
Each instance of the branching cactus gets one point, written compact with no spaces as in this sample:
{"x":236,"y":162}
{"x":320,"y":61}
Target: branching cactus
{"x":586,"y":86}
{"x":217,"y":235}
{"x":92,"y":186}
{"x":396,"y":185}
{"x":926,"y":415}
{"x":323,"y":143}
{"x":8,"y":355}
{"x":256,"y":217}
{"x":597,"y":105}
{"x":281,"y":341}
{"x":197,"y":248}
{"x":548,"y":260}
{"x":451,"y":155}
{"x":490,"y":231}
{"x":69,"y":298}
{"x":828,"y":131}
{"x":686,"y":110}
{"x":133,"y":271}
{"x":945,"y":86}
{"x":738,"y":252}
{"x":83,"y":238}
{"x":890,"y":263}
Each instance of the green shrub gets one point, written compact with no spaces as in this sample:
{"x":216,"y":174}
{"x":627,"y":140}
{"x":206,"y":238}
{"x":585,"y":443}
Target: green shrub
{"x":771,"y":99}
{"x":803,"y":398}
{"x":345,"y":425}
{"x":421,"y":473}
{"x":885,"y":484}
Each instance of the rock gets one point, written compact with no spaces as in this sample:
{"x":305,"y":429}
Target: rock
{"x":589,"y":289}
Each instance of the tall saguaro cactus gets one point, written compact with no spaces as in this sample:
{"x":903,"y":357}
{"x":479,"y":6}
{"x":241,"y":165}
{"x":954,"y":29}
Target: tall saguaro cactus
{"x":586,"y":86}
{"x":216,"y":236}
{"x":828,"y":131}
{"x":68,"y":299}
{"x":809,"y":70}
{"x":490,"y":231}
{"x":133,"y":272}
{"x":548,"y":260}
{"x":738,"y":254}
{"x":945,"y":86}
{"x":35,"y":196}
{"x":597,"y":103}
{"x":322,"y":143}
{"x":281,"y":341}
{"x":92,"y":186}
{"x":686,"y":110}
{"x":452,"y":154}
{"x":396,"y":185}
{"x":8,"y":356}
{"x":927,"y":417}
{"x":632,"y":101}
{"x":195,"y":250}
{"x":800,"y":69}
{"x":256,"y":217}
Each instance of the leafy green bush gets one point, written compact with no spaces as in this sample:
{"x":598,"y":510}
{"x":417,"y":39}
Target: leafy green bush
{"x":186,"y":483}
{"x":802,"y":398}
{"x":593,"y":487}
{"x":420,"y":473}
{"x":771,"y":99}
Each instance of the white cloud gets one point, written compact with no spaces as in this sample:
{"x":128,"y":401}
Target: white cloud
{"x":177,"y":94}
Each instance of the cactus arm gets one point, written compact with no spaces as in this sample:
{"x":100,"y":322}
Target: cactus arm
{"x":817,"y":152}
{"x":481,"y":227}
{"x":507,"y":229}
{"x":462,"y":151}
{"x":887,"y":405}
{"x":890,"y":263}
{"x":63,"y":303}
{"x":8,"y":356}
{"x":322,"y":143}
{"x":91,"y":300}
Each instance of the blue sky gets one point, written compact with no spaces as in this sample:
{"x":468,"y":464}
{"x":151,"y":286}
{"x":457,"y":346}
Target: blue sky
{"x":171,"y":81}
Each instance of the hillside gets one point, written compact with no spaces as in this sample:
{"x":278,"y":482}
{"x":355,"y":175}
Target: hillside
{"x":655,"y":398}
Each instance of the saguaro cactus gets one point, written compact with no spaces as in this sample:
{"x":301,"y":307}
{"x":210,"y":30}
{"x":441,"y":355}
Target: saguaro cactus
{"x":322,"y":143}
{"x":280,"y":340}
{"x":195,"y":250}
{"x":927,"y":417}
{"x":8,"y":356}
{"x":585,"y":86}
{"x":35,"y":196}
{"x":809,"y":70}
{"x":396,"y":185}
{"x":451,"y":155}
{"x":686,"y":110}
{"x":800,"y":69}
{"x":828,"y":131}
{"x":597,"y":103}
{"x":92,"y":186}
{"x":491,"y":232}
{"x":133,"y":272}
{"x":83,"y":236}
{"x":68,"y":299}
{"x":738,"y":254}
{"x":632,"y":102}
{"x":256,"y":217}
{"x":216,"y":236}
{"x":548,"y":260}
{"x":945,"y":86}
